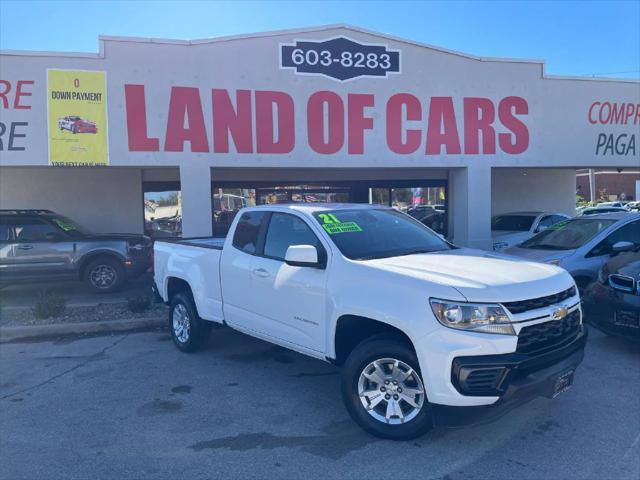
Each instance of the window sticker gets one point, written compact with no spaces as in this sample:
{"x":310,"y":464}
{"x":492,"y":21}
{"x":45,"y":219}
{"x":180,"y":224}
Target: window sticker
{"x":67,"y":227}
{"x":333,"y":226}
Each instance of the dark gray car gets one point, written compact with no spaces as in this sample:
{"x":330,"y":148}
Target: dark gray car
{"x":38,"y":245}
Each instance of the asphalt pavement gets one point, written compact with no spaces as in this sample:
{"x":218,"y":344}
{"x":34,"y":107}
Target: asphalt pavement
{"x":132,"y":406}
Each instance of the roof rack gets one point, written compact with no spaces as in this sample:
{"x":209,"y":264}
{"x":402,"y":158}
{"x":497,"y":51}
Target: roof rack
{"x":22,"y":211}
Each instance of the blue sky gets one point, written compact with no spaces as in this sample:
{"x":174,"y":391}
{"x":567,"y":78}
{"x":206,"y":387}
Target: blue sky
{"x":573,"y":37}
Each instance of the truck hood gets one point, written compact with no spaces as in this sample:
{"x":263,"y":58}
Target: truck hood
{"x":480,"y":276}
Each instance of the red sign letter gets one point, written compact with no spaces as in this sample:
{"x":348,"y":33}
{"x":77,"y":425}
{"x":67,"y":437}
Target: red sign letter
{"x":265,"y":131}
{"x":394,"y":123}
{"x":520,"y":141}
{"x":442,"y":114}
{"x":315,"y":122}
{"x":474,"y":124}
{"x":185,"y":101}
{"x":226,"y":120}
{"x":357,"y":122}
{"x":137,"y":120}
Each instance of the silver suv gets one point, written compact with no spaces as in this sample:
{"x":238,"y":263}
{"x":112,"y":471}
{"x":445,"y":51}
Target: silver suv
{"x":38,"y":245}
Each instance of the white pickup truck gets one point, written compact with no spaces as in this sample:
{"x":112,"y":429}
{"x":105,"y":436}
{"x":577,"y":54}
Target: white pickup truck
{"x":427,"y":333}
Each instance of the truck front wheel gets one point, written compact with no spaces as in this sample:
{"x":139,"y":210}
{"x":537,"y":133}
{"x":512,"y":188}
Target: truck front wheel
{"x":188,"y":331}
{"x":383,"y":390}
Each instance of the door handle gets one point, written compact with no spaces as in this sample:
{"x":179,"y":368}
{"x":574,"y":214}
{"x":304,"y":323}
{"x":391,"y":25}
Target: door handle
{"x":260,"y":272}
{"x":25,"y":247}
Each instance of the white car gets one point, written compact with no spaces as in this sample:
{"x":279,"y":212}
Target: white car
{"x":509,"y":229}
{"x":427,"y":333}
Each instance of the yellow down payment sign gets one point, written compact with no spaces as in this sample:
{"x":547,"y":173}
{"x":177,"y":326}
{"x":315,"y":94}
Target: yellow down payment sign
{"x":77,"y":109}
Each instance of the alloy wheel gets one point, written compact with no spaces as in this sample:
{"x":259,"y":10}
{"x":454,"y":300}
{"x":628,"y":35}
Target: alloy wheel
{"x":391,"y":391}
{"x":103,"y":276}
{"x":181,"y":323}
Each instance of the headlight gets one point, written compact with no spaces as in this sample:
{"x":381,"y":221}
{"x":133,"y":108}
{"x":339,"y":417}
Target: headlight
{"x":500,"y":245}
{"x":477,"y":317}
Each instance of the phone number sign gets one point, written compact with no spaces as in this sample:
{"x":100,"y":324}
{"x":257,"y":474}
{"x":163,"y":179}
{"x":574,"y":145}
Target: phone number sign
{"x":339,"y":58}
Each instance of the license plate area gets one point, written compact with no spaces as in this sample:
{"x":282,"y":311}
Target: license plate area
{"x":563,"y":383}
{"x":626,"y":318}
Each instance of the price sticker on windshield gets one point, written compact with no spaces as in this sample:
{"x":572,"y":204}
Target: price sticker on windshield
{"x":333,"y":226}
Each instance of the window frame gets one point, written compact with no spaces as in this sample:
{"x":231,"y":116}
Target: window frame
{"x":63,"y":235}
{"x":322,"y":251}
{"x":591,"y":253}
{"x":261,"y":233}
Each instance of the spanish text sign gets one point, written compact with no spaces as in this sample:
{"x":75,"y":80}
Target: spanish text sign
{"x":77,"y":106}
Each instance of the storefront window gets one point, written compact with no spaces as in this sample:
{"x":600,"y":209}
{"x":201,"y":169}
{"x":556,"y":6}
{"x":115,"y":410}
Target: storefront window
{"x":226,"y":204}
{"x":425,"y":204}
{"x":379,"y":196}
{"x":162,"y":211}
{"x":303,"y":193}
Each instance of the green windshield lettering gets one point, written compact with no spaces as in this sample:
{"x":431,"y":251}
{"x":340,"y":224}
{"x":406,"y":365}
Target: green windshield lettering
{"x":328,"y":218}
{"x":333,"y":228}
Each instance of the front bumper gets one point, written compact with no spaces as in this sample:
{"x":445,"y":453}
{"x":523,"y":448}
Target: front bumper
{"x":603,"y":306}
{"x":523,"y":378}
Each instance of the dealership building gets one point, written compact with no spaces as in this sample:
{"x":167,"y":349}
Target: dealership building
{"x":173,"y":137}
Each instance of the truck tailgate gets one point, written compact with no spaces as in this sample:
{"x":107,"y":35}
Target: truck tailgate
{"x":196,"y":262}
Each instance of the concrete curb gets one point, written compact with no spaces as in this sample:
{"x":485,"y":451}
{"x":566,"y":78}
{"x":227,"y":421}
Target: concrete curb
{"x":38,"y":332}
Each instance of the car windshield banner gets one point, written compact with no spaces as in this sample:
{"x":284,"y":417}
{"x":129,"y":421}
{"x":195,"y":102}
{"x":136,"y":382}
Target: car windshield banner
{"x":76,"y":101}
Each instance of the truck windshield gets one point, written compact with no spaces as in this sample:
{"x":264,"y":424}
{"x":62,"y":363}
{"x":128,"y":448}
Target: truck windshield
{"x":567,"y":235}
{"x":365,"y":234}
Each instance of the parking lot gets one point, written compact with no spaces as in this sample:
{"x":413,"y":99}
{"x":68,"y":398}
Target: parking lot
{"x":129,"y":406}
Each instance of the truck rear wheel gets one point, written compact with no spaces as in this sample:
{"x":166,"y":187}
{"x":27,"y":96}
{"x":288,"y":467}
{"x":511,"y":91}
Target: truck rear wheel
{"x":383,"y":390}
{"x":188,"y":331}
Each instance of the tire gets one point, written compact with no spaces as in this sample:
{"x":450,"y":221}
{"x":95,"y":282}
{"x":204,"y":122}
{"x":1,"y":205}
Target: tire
{"x":74,"y":129}
{"x":105,"y":274}
{"x":384,"y":352}
{"x":188,"y":331}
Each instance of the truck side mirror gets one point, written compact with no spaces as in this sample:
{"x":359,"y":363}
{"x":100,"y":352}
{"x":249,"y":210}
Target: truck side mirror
{"x":622,"y":246}
{"x":302,"y":256}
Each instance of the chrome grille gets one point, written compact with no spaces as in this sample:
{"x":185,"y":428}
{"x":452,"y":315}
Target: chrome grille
{"x":541,"y":302}
{"x":547,"y":335}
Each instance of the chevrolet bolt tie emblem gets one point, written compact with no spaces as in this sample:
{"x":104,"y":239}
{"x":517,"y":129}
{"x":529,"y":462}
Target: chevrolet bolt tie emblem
{"x":559,"y":313}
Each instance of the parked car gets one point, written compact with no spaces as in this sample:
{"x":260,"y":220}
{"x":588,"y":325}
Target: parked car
{"x":509,"y":229}
{"x":610,"y":204}
{"x":599,"y":210}
{"x":425,"y":331}
{"x":582,"y":245}
{"x":633,"y":206}
{"x":612,"y":304}
{"x":76,"y":124}
{"x":37,"y":245}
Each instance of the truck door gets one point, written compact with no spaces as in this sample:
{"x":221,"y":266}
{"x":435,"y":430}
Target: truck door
{"x":235,"y":268}
{"x":290,"y":301}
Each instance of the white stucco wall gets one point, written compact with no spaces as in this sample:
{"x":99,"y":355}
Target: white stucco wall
{"x":533,"y":189}
{"x":105,"y":200}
